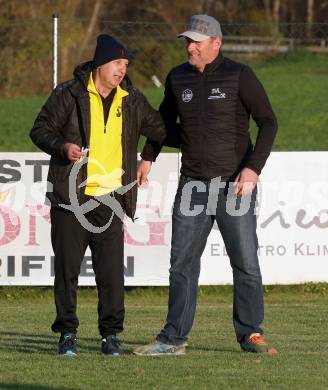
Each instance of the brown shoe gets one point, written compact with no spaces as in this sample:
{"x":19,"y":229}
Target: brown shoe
{"x":255,"y":342}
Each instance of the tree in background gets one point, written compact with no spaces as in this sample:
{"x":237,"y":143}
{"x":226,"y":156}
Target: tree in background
{"x":26,"y":32}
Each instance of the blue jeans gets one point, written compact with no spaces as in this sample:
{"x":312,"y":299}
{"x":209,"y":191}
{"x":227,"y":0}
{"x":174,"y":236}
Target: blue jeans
{"x":207,"y":203}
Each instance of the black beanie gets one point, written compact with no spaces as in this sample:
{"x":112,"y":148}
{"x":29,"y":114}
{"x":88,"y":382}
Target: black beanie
{"x":109,"y":49}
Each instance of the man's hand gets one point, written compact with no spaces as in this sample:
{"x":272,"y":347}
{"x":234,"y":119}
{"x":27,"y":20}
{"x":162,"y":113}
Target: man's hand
{"x":245,"y":182}
{"x":142,"y":173}
{"x":73,"y":151}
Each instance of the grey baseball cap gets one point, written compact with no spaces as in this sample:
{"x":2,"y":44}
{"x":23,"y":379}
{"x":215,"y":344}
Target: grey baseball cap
{"x":201,"y":27}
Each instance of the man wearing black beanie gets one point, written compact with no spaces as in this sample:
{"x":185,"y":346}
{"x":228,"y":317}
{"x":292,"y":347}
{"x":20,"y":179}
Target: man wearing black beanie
{"x":90,"y":126}
{"x":109,"y":49}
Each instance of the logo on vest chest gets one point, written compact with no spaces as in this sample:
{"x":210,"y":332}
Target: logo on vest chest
{"x":187,"y":95}
{"x":119,"y":111}
{"x":217,"y":94}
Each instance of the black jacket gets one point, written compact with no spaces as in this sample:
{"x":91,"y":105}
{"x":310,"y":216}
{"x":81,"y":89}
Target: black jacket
{"x":214,"y":108}
{"x":65,"y":117}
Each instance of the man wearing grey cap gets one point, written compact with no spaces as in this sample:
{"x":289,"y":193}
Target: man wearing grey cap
{"x":213,"y":97}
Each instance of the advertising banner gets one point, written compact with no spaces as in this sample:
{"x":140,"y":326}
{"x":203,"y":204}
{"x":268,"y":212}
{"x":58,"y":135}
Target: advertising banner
{"x":292,"y":224}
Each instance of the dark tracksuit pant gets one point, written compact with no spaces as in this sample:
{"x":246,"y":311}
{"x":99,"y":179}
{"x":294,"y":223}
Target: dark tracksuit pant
{"x":70,"y":241}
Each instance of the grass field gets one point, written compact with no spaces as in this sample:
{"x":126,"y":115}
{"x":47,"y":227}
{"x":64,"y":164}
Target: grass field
{"x":297,"y":84}
{"x":296,"y":324}
{"x":296,"y":317}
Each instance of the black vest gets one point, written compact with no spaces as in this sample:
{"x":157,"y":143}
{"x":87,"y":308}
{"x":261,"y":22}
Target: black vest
{"x":214,"y":123}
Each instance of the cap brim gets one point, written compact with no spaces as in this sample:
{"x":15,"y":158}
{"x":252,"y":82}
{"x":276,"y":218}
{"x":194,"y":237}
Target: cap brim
{"x":195,"y":36}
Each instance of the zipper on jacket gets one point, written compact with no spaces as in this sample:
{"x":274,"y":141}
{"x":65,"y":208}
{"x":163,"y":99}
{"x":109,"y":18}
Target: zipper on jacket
{"x":105,"y":124}
{"x":202,"y":120}
{"x":129,"y":201}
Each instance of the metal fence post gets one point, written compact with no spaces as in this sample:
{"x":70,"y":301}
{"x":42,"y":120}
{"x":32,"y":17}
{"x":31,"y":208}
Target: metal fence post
{"x":55,"y":38}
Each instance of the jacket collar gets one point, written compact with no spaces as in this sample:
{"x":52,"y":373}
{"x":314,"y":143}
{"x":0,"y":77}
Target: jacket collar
{"x":212,"y":66}
{"x":81,"y":74}
{"x":120,"y":92}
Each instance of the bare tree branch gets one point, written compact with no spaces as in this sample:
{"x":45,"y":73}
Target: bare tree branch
{"x":309,"y":17}
{"x":323,"y":5}
{"x":159,"y":9}
{"x":91,"y":27}
{"x":267,"y":9}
